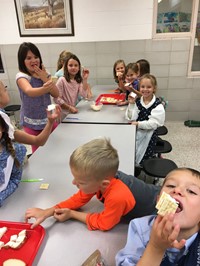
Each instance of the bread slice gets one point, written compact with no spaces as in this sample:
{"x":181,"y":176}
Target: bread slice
{"x":14,"y":262}
{"x":166,"y":204}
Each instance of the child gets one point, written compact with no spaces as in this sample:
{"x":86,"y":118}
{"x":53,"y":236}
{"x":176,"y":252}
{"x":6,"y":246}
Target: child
{"x":11,"y":157}
{"x":12,"y":154}
{"x":119,"y":74}
{"x":4,"y":96}
{"x":62,"y":57}
{"x":35,"y":87}
{"x":132,"y":83}
{"x":94,"y":168}
{"x":39,"y":140}
{"x":144,"y":67}
{"x":147,"y":113}
{"x":173,"y":239}
{"x":71,"y":85}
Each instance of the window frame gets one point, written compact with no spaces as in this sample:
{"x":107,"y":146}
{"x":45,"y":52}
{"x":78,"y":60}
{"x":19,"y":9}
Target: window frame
{"x":179,"y":35}
{"x":193,"y":24}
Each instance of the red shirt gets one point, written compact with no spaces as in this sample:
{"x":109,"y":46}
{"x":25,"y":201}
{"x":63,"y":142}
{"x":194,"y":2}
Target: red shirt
{"x":118,"y":201}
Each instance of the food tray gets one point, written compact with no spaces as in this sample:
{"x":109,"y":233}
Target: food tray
{"x":29,"y":248}
{"x":110,"y":98}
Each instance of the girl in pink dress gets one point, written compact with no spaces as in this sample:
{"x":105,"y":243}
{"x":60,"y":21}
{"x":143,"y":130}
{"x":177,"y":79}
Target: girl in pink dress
{"x":71,"y":85}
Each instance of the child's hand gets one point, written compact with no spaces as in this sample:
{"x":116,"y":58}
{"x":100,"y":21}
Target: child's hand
{"x":118,"y":90}
{"x":73,"y":109}
{"x":120,"y":75}
{"x":85,"y":73}
{"x":49,"y":85}
{"x":164,"y":233}
{"x":62,"y":214}
{"x":37,"y":213}
{"x":131,"y":99}
{"x":42,"y":73}
{"x":135,"y":123}
{"x":55,"y":115}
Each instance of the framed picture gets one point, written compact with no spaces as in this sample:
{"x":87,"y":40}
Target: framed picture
{"x":43,"y":18}
{"x":1,"y":65}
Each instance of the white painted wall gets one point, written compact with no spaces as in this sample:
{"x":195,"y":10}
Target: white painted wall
{"x":94,"y":20}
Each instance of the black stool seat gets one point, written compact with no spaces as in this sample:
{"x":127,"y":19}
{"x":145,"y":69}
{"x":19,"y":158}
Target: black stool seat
{"x":162,"y":131}
{"x":162,"y":146}
{"x":11,"y":111}
{"x":12,"y":108}
{"x":158,"y":167}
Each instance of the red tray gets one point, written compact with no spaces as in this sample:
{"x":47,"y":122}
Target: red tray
{"x":28,"y":250}
{"x":114,"y":98}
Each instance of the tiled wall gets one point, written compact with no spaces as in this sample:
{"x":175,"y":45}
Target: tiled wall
{"x":168,"y":59}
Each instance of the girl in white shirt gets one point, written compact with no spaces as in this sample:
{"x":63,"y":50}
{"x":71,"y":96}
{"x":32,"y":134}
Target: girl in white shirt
{"x":147,"y":113}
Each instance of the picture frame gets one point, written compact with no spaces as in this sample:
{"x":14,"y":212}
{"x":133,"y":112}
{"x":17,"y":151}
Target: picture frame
{"x":1,"y":65}
{"x":42,"y":18}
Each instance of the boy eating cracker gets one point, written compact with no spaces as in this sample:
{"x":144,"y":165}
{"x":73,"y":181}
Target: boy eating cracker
{"x":172,"y":239}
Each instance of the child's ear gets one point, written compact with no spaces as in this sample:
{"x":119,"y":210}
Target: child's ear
{"x":105,"y":183}
{"x":199,"y":225}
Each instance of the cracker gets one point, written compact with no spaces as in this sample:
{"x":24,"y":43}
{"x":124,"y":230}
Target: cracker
{"x":2,"y":231}
{"x":51,"y":108}
{"x":166,"y":204}
{"x":94,"y":259}
{"x":44,"y":186}
{"x":132,"y":94}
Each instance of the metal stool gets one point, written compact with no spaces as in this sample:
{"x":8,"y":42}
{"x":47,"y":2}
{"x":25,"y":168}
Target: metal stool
{"x":11,"y":111}
{"x":158,"y":167}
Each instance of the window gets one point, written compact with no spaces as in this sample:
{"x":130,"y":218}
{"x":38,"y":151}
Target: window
{"x":179,"y":19}
{"x":173,"y":18}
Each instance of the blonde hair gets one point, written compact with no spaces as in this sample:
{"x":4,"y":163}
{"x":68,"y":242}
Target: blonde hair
{"x":96,"y":158}
{"x":62,"y":58}
{"x":152,"y":79}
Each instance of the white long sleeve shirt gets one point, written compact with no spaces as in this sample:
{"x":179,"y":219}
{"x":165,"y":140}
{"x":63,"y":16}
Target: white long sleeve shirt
{"x":156,"y":118}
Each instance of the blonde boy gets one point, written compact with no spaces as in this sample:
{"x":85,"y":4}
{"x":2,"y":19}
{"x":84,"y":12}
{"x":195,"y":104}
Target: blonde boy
{"x":94,"y":167}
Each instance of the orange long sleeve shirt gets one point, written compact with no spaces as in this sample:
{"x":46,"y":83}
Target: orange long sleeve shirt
{"x":118,"y":201}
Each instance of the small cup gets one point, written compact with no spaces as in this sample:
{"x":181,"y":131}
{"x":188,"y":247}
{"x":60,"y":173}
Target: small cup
{"x":96,"y":107}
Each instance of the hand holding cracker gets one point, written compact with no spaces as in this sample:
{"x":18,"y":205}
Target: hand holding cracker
{"x":165,"y":234}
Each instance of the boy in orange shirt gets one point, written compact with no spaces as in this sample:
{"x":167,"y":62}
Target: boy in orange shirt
{"x":94,"y":167}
